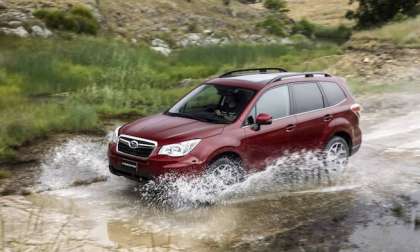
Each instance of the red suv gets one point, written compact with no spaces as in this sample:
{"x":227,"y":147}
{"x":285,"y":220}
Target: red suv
{"x":249,"y":116}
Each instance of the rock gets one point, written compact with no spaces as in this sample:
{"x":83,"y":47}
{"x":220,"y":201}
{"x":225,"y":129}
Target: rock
{"x":159,"y":43}
{"x":161,"y":46}
{"x":163,"y":50}
{"x":40,"y":32}
{"x":2,"y":5}
{"x":208,"y":32}
{"x":14,"y":24}
{"x":19,"y":32}
{"x":211,"y":41}
{"x":286,"y":41}
{"x":191,"y":39}
{"x":255,"y":37}
{"x":366,"y":60}
{"x":164,"y":29}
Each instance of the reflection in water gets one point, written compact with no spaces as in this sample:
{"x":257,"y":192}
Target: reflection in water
{"x":243,"y":225}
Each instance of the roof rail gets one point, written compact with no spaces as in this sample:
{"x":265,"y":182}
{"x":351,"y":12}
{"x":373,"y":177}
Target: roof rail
{"x":306,"y":75}
{"x":259,"y":70}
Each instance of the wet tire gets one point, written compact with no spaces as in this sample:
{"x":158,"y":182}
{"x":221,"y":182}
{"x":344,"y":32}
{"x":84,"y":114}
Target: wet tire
{"x":228,"y":170}
{"x":336,"y":155}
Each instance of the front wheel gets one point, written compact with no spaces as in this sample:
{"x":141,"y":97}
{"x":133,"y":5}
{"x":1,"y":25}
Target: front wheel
{"x":337,"y":153}
{"x":227,"y":170}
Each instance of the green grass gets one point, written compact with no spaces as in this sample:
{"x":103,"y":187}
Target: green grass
{"x":56,"y":85}
{"x":404,"y":34}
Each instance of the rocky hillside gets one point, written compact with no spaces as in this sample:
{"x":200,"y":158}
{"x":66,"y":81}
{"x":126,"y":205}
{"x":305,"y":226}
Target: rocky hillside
{"x":176,"y":22}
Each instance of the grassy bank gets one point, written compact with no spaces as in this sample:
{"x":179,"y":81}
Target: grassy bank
{"x":58,"y":85}
{"x":403,"y":34}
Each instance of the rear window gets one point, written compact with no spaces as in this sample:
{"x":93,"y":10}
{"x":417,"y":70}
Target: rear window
{"x":333,"y":92}
{"x":307,"y":97}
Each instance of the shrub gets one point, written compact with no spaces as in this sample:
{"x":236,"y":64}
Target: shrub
{"x":273,"y":25}
{"x":337,"y":34}
{"x":304,"y":27}
{"x":78,"y":19}
{"x":376,"y":12}
{"x":276,"y":5}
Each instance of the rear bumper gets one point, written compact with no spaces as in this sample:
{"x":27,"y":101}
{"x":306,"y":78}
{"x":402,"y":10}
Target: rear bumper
{"x":155,"y":166}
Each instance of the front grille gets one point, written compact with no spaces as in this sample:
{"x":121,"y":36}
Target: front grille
{"x":137,"y":147}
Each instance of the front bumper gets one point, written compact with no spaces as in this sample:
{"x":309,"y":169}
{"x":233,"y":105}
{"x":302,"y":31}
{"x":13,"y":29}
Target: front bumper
{"x":153,"y":167}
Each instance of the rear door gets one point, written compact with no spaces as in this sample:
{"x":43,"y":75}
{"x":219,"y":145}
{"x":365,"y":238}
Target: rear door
{"x":311,"y":117}
{"x":270,"y":141}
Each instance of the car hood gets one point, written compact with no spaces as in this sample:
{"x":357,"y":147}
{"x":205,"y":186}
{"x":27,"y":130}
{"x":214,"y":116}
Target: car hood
{"x":169,"y":129}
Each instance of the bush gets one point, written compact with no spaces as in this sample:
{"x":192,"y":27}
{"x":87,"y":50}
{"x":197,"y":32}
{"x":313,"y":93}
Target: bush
{"x":274,"y":25}
{"x":337,"y":34}
{"x":276,"y":5}
{"x":78,"y":19}
{"x":376,"y":12}
{"x":304,"y":27}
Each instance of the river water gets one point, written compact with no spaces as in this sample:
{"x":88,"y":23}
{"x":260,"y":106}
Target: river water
{"x":373,"y":207}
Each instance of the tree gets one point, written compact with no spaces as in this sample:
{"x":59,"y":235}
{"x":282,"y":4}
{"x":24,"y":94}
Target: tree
{"x":376,"y":12}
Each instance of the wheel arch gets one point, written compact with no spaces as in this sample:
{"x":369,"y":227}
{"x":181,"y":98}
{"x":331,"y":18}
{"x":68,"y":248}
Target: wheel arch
{"x":225,"y":153}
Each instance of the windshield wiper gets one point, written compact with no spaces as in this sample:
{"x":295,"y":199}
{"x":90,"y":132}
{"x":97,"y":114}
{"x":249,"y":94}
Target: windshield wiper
{"x":189,"y":116}
{"x":197,"y":118}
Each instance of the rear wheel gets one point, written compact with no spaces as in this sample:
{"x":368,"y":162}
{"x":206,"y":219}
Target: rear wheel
{"x":337,"y":153}
{"x":229,"y":170}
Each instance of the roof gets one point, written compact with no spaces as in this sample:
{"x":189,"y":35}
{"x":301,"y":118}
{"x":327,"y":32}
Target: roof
{"x":261,"y":80}
{"x":252,"y":81}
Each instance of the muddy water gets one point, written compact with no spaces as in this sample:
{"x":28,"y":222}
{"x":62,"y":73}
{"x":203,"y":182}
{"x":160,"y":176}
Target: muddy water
{"x":374,"y":207}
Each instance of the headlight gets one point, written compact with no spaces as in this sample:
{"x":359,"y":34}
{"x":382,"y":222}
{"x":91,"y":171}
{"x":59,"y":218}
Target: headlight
{"x":115,"y":135}
{"x":179,"y":149}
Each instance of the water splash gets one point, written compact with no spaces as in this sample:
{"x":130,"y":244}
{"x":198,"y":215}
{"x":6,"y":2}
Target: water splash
{"x":292,"y":172}
{"x":79,"y":161}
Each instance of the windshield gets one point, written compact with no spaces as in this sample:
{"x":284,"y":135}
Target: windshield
{"x":213,"y":103}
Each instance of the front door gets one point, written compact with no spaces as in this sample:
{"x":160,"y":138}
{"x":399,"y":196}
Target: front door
{"x":269,"y":142}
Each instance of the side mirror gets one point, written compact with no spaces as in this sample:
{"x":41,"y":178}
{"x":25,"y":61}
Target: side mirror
{"x":264,"y":119}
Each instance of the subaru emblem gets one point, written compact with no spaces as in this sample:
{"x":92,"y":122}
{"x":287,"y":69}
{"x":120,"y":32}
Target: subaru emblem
{"x":134,"y":144}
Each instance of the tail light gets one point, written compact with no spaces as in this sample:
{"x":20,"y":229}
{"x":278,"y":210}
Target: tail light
{"x":356,"y":108}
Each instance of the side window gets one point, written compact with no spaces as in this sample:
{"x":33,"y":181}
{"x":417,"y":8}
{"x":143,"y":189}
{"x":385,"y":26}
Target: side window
{"x":275,"y":102}
{"x":333,"y":93}
{"x":307,"y":97}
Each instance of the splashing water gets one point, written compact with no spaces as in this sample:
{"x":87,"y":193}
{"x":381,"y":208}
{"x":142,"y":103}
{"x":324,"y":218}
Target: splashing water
{"x":292,"y":172}
{"x":79,"y":161}
{"x":82,"y":161}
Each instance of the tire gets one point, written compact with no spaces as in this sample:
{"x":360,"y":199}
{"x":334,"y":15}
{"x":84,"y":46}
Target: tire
{"x":229,"y":170}
{"x":336,"y":155}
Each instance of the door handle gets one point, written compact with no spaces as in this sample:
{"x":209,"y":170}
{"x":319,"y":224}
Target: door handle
{"x":290,"y":127}
{"x":328,"y":118}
